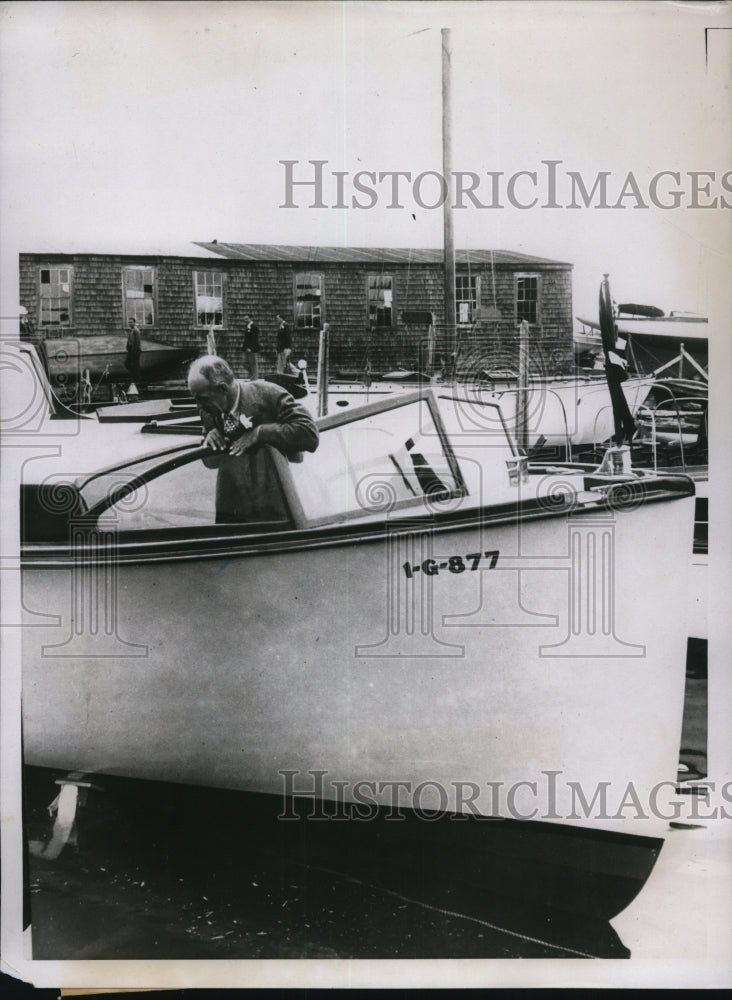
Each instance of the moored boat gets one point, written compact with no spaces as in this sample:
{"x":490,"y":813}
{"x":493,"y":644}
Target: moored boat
{"x":68,"y":358}
{"x":676,"y":326}
{"x":549,"y":413}
{"x":654,"y":339}
{"x":563,"y":414}
{"x":432,"y":618}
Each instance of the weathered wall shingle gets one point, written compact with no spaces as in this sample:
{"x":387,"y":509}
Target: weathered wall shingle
{"x":262,"y":288}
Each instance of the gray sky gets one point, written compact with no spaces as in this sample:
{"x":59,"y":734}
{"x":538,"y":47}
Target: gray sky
{"x":148,"y":125}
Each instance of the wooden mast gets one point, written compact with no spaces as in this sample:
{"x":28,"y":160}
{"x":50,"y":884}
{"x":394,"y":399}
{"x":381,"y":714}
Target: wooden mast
{"x":449,"y":243}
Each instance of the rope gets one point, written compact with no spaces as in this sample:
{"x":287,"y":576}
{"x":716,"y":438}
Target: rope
{"x":406,"y":297}
{"x":87,"y":389}
{"x":454,"y":913}
{"x":409,"y":272}
{"x":493,"y":280}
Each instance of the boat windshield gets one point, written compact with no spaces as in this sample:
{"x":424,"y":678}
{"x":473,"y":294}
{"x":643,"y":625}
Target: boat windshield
{"x":384,"y":456}
{"x":375,"y":460}
{"x":100,"y":485}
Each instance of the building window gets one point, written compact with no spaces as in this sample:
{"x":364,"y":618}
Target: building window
{"x":308,"y":301}
{"x":467,"y":298}
{"x":139,"y":295}
{"x":527,"y":297}
{"x":209,"y":298}
{"x":380,"y":299}
{"x":55,"y":296}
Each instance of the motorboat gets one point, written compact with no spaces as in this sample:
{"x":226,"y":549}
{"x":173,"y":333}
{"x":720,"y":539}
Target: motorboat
{"x":563,"y":414}
{"x":654,"y":336}
{"x":106,"y":354}
{"x":559,"y":413}
{"x":33,"y":415}
{"x":434,"y":620}
{"x":102,"y":357}
{"x":431,"y":624}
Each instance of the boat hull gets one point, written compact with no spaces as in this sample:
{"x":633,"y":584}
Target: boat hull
{"x":67,"y":359}
{"x":559,"y":413}
{"x":567,"y":413}
{"x":325,"y":656}
{"x":537,"y":889}
{"x":669,"y":328}
{"x":653,"y":343}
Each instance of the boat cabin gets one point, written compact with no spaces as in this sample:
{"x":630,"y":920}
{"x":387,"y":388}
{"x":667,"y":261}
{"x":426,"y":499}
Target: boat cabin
{"x":392,"y":457}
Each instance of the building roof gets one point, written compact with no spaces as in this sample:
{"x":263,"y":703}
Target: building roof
{"x":267,"y":252}
{"x":111,"y":247}
{"x":371,"y":255}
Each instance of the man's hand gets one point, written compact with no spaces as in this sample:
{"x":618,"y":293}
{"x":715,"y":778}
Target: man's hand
{"x":215,"y":440}
{"x":245,"y":442}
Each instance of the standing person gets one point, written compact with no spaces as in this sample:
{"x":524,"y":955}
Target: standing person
{"x":134,"y":349}
{"x":284,"y":348}
{"x":238,"y":419}
{"x":251,"y":346}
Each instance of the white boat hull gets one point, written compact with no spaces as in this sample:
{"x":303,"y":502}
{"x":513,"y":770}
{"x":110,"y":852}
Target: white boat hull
{"x":569,"y":413}
{"x":560,"y":413}
{"x":653,"y":342}
{"x":228,"y":671}
{"x":666,"y":327}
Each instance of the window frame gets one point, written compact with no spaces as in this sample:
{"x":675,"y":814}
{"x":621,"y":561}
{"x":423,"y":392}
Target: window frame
{"x":320,"y":303}
{"x":419,"y":502}
{"x":473,"y":300}
{"x":161,"y":464}
{"x":373,"y":323}
{"x":175,"y":543}
{"x":520,"y":275}
{"x":215,"y":272}
{"x":59,"y":325}
{"x":126,"y":268}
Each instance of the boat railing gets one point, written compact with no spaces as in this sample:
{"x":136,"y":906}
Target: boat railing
{"x":517,"y":420}
{"x":596,"y":440}
{"x":654,"y":441}
{"x":650,"y":412}
{"x":567,"y":439}
{"x":677,"y":414}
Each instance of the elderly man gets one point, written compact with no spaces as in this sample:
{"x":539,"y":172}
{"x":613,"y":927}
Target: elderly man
{"x":238,"y":419}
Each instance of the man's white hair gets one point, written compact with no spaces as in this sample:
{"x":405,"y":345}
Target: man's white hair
{"x":213,"y":370}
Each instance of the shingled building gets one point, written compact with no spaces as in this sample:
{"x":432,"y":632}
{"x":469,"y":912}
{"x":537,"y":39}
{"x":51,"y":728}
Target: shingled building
{"x":383,"y":305}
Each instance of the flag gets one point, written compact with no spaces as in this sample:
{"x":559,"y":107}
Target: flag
{"x":615,"y":367}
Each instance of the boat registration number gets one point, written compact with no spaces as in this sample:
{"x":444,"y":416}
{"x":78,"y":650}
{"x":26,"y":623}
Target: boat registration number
{"x":455,"y":564}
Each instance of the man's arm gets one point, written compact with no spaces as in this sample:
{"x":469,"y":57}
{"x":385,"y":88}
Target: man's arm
{"x":292,"y":428}
{"x":212,"y":438}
